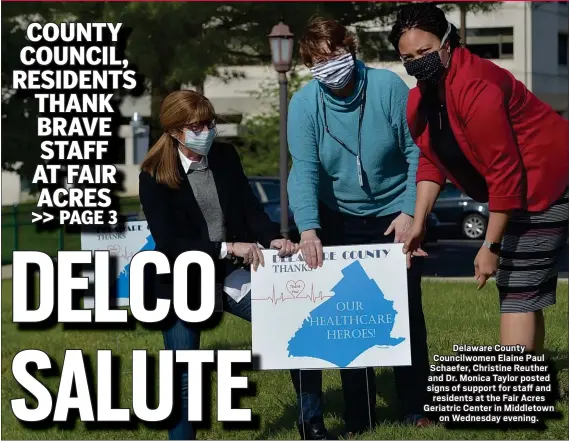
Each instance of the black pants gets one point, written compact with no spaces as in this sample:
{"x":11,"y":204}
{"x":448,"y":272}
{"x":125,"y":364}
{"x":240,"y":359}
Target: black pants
{"x":359,"y":384}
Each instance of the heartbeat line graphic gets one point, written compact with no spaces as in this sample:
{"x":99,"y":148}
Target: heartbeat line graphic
{"x":115,"y":250}
{"x":313,"y":297}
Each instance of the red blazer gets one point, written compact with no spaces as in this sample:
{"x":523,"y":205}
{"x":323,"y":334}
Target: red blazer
{"x":518,"y":143}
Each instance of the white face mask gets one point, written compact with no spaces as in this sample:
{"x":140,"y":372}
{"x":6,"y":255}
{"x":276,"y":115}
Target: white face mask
{"x":334,"y":73}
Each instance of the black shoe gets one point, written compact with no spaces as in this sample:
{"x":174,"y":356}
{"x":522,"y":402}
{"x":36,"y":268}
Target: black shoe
{"x":314,"y":430}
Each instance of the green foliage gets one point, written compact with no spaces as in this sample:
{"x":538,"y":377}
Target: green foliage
{"x":261,"y":133}
{"x":172,"y":44}
{"x":466,"y":7}
{"x":475,"y":7}
{"x":472,"y":7}
{"x":20,"y":143}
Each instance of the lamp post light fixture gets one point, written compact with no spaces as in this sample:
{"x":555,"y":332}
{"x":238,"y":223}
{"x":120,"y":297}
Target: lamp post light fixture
{"x":281,"y":42}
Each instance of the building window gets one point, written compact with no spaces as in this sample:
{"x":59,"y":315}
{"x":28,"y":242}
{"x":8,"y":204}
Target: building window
{"x":562,"y":49}
{"x":489,"y":32}
{"x":491,"y":51}
{"x":493,"y":43}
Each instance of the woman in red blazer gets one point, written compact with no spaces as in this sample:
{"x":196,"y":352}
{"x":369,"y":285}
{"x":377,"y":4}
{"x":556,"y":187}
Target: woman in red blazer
{"x":479,"y":127}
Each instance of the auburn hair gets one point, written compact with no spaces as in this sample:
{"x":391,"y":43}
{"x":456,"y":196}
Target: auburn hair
{"x":179,"y":109}
{"x":323,"y":37}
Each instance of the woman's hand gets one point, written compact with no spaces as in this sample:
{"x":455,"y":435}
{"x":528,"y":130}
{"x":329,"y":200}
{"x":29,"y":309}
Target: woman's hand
{"x":485,"y":266}
{"x":311,"y":248}
{"x":486,"y":262}
{"x":249,"y":252}
{"x":286,"y":247}
{"x":413,"y":238}
{"x":400,"y":225}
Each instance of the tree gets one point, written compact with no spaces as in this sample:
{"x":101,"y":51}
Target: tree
{"x":20,"y":143}
{"x":172,"y":44}
{"x":474,"y":8}
{"x":466,"y":7}
{"x":260,"y":134}
{"x":175,"y":44}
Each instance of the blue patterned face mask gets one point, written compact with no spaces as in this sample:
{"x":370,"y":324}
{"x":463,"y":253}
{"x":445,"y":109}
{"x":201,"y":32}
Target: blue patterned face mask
{"x":334,"y":73}
{"x":201,"y":142}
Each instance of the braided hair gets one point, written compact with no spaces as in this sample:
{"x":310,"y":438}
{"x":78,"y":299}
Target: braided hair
{"x":426,"y":17}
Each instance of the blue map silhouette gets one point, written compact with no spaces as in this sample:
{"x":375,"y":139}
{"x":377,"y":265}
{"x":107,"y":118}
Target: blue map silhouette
{"x":122,"y":283}
{"x":355,"y":319}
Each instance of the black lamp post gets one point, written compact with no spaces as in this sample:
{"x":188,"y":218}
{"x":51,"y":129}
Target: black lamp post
{"x":281,"y":43}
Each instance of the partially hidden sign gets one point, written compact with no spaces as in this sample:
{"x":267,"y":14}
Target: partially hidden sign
{"x":351,"y":312}
{"x":122,"y":245}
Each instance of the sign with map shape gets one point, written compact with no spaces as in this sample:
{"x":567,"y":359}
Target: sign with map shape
{"x":122,"y":245}
{"x":352,"y":312}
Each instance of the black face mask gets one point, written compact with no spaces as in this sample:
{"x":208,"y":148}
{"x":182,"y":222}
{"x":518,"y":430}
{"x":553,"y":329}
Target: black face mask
{"x":428,"y":68}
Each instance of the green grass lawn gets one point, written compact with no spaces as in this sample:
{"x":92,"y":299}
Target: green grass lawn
{"x":456,"y":313}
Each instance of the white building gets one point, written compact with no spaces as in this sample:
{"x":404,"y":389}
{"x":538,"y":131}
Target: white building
{"x":530,"y":40}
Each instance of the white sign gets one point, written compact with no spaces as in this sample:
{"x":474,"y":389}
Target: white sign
{"x":351,"y":312}
{"x":123,"y":245}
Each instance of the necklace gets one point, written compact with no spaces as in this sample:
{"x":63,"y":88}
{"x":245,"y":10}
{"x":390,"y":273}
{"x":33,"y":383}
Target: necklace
{"x":359,"y":146}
